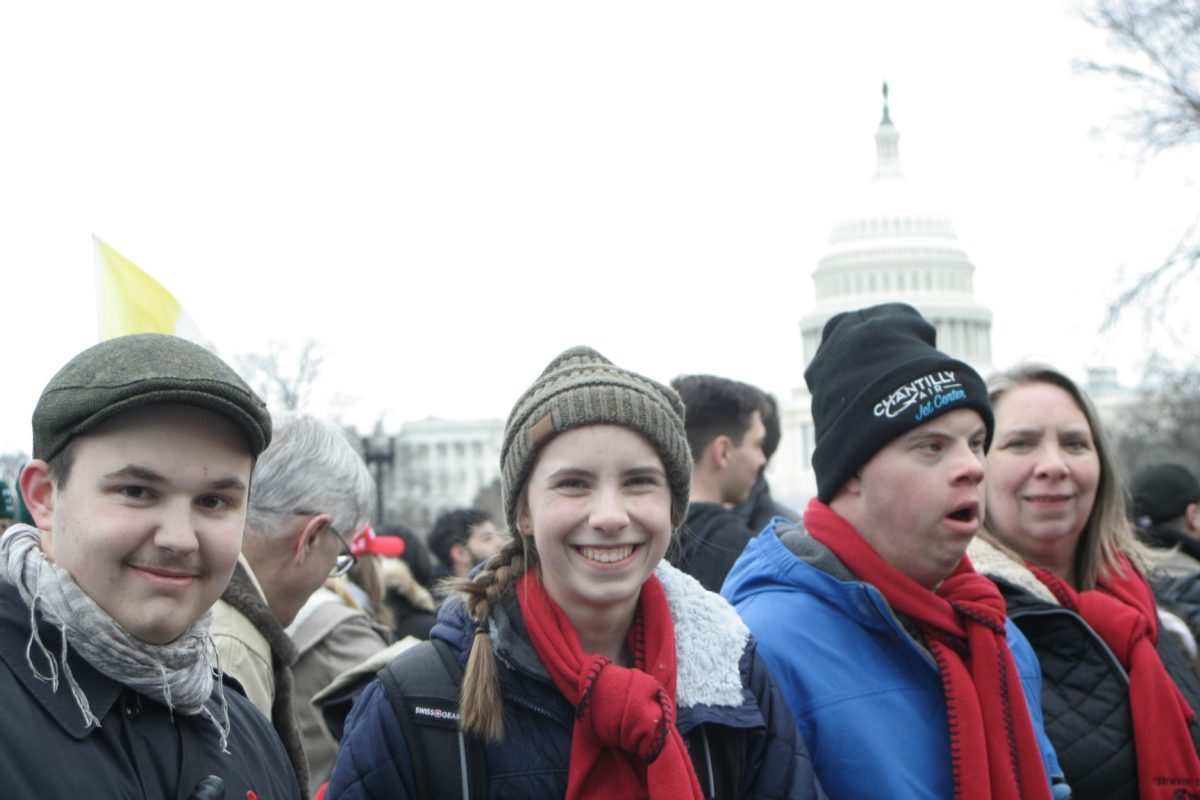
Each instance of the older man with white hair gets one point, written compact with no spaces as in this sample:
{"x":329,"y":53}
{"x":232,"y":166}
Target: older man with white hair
{"x":310,"y":494}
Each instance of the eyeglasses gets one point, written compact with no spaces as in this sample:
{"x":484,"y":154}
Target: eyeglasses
{"x":345,"y":560}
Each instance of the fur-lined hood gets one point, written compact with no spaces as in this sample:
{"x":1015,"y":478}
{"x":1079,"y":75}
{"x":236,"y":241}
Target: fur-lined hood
{"x":397,"y":577}
{"x":710,"y":639}
{"x":993,"y":562}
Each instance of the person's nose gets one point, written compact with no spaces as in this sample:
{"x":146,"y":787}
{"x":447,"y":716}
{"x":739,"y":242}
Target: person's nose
{"x":177,"y":528}
{"x":1051,"y":465}
{"x":971,"y":466}
{"x":609,"y":513}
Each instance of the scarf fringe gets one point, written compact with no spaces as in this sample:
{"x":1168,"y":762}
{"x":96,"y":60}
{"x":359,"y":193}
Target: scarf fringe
{"x":103,"y":643}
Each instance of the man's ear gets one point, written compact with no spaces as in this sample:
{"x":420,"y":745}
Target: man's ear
{"x":38,"y":489}
{"x":853,"y":485}
{"x":718,"y":449}
{"x":1191,"y":516}
{"x":459,"y":553}
{"x":308,"y":537}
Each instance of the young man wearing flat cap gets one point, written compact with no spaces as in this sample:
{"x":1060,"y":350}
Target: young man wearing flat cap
{"x":143,"y":448}
{"x":896,"y":657}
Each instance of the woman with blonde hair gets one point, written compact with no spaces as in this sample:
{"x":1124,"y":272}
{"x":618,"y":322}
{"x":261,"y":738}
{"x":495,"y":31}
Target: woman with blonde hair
{"x":594,"y":669}
{"x":1119,"y":696}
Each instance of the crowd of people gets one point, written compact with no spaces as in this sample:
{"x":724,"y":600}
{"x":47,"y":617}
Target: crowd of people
{"x":197,"y":604}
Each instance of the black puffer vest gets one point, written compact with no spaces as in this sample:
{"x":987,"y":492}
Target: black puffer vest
{"x":1085,"y":695}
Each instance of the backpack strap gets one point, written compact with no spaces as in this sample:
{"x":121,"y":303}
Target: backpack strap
{"x":422,"y":684}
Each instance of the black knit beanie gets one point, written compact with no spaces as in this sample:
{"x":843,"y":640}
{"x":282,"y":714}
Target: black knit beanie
{"x":877,"y":375}
{"x":581,"y":387}
{"x":1162,"y":492}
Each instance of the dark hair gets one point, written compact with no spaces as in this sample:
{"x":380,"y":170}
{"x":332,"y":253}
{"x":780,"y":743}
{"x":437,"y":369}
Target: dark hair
{"x":454,"y":527}
{"x":770,"y":418}
{"x":416,"y":553}
{"x":60,"y":464}
{"x":716,"y":407}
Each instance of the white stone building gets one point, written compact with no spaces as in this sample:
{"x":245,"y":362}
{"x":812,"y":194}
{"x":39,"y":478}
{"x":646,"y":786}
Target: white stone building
{"x":439,"y":464}
{"x":893,"y":243}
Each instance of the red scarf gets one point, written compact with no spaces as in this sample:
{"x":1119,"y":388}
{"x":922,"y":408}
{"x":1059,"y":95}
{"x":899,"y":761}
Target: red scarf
{"x":625,"y":743}
{"x":1123,"y":612}
{"x":963,"y":623}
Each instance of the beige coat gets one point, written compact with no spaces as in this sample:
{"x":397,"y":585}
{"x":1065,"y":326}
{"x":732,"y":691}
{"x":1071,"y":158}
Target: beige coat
{"x":245,"y":652}
{"x":330,"y":638}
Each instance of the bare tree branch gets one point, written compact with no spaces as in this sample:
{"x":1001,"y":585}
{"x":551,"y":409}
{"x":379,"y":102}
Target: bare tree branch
{"x":284,"y":380}
{"x":1165,"y":424}
{"x":1158,"y":60}
{"x":1153,"y":289}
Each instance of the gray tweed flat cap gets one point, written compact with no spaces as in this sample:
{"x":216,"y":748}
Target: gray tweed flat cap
{"x":131,"y":371}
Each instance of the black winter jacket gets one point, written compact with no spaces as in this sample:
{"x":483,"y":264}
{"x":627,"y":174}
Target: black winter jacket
{"x":757,"y":511}
{"x":138,"y":751}
{"x":1085,"y":690}
{"x":710,"y":541}
{"x":1181,"y":594}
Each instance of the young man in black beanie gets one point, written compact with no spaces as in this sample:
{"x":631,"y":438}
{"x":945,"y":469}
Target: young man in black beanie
{"x":143,"y":448}
{"x":895,"y":656}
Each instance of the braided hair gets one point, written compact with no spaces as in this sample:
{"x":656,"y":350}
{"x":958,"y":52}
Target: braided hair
{"x":481,"y":704}
{"x":578,"y":388}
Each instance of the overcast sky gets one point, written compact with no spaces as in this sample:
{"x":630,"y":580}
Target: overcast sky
{"x":445,"y":195}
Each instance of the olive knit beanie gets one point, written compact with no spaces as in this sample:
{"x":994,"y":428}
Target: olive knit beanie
{"x":581,"y":387}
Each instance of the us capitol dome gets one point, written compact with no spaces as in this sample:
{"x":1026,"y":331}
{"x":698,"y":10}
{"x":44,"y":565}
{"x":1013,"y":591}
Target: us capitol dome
{"x":893,"y":243}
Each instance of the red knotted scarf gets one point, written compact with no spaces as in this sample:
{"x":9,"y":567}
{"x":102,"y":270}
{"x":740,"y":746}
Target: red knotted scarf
{"x":1122,"y":611}
{"x":993,"y":747}
{"x":625,"y":743}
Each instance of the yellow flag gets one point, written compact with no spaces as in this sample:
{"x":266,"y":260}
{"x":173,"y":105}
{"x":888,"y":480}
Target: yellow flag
{"x":133,"y":302}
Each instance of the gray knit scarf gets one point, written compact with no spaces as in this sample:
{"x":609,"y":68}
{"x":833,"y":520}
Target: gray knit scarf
{"x":179,"y":675}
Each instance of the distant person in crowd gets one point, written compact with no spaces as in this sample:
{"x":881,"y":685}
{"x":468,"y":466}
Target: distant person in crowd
{"x":1166,"y":507}
{"x":760,"y":507}
{"x":416,"y":553}
{"x":592,"y":667}
{"x":8,"y":507}
{"x":364,"y":581}
{"x":725,"y":431}
{"x":1119,"y":697}
{"x":461,"y":539}
{"x":1166,"y":501}
{"x":895,"y":655}
{"x":333,"y":632}
{"x":143,"y":447}
{"x":406,"y":587}
{"x":312,"y":494}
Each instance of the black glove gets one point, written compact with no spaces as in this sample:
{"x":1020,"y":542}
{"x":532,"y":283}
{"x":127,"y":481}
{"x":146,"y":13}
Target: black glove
{"x":210,"y":788}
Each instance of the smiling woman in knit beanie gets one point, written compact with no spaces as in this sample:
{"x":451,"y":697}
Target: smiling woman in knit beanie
{"x":594,"y":669}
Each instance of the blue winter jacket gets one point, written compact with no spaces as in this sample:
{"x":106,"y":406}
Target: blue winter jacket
{"x":866,"y":694}
{"x":722,"y":686}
